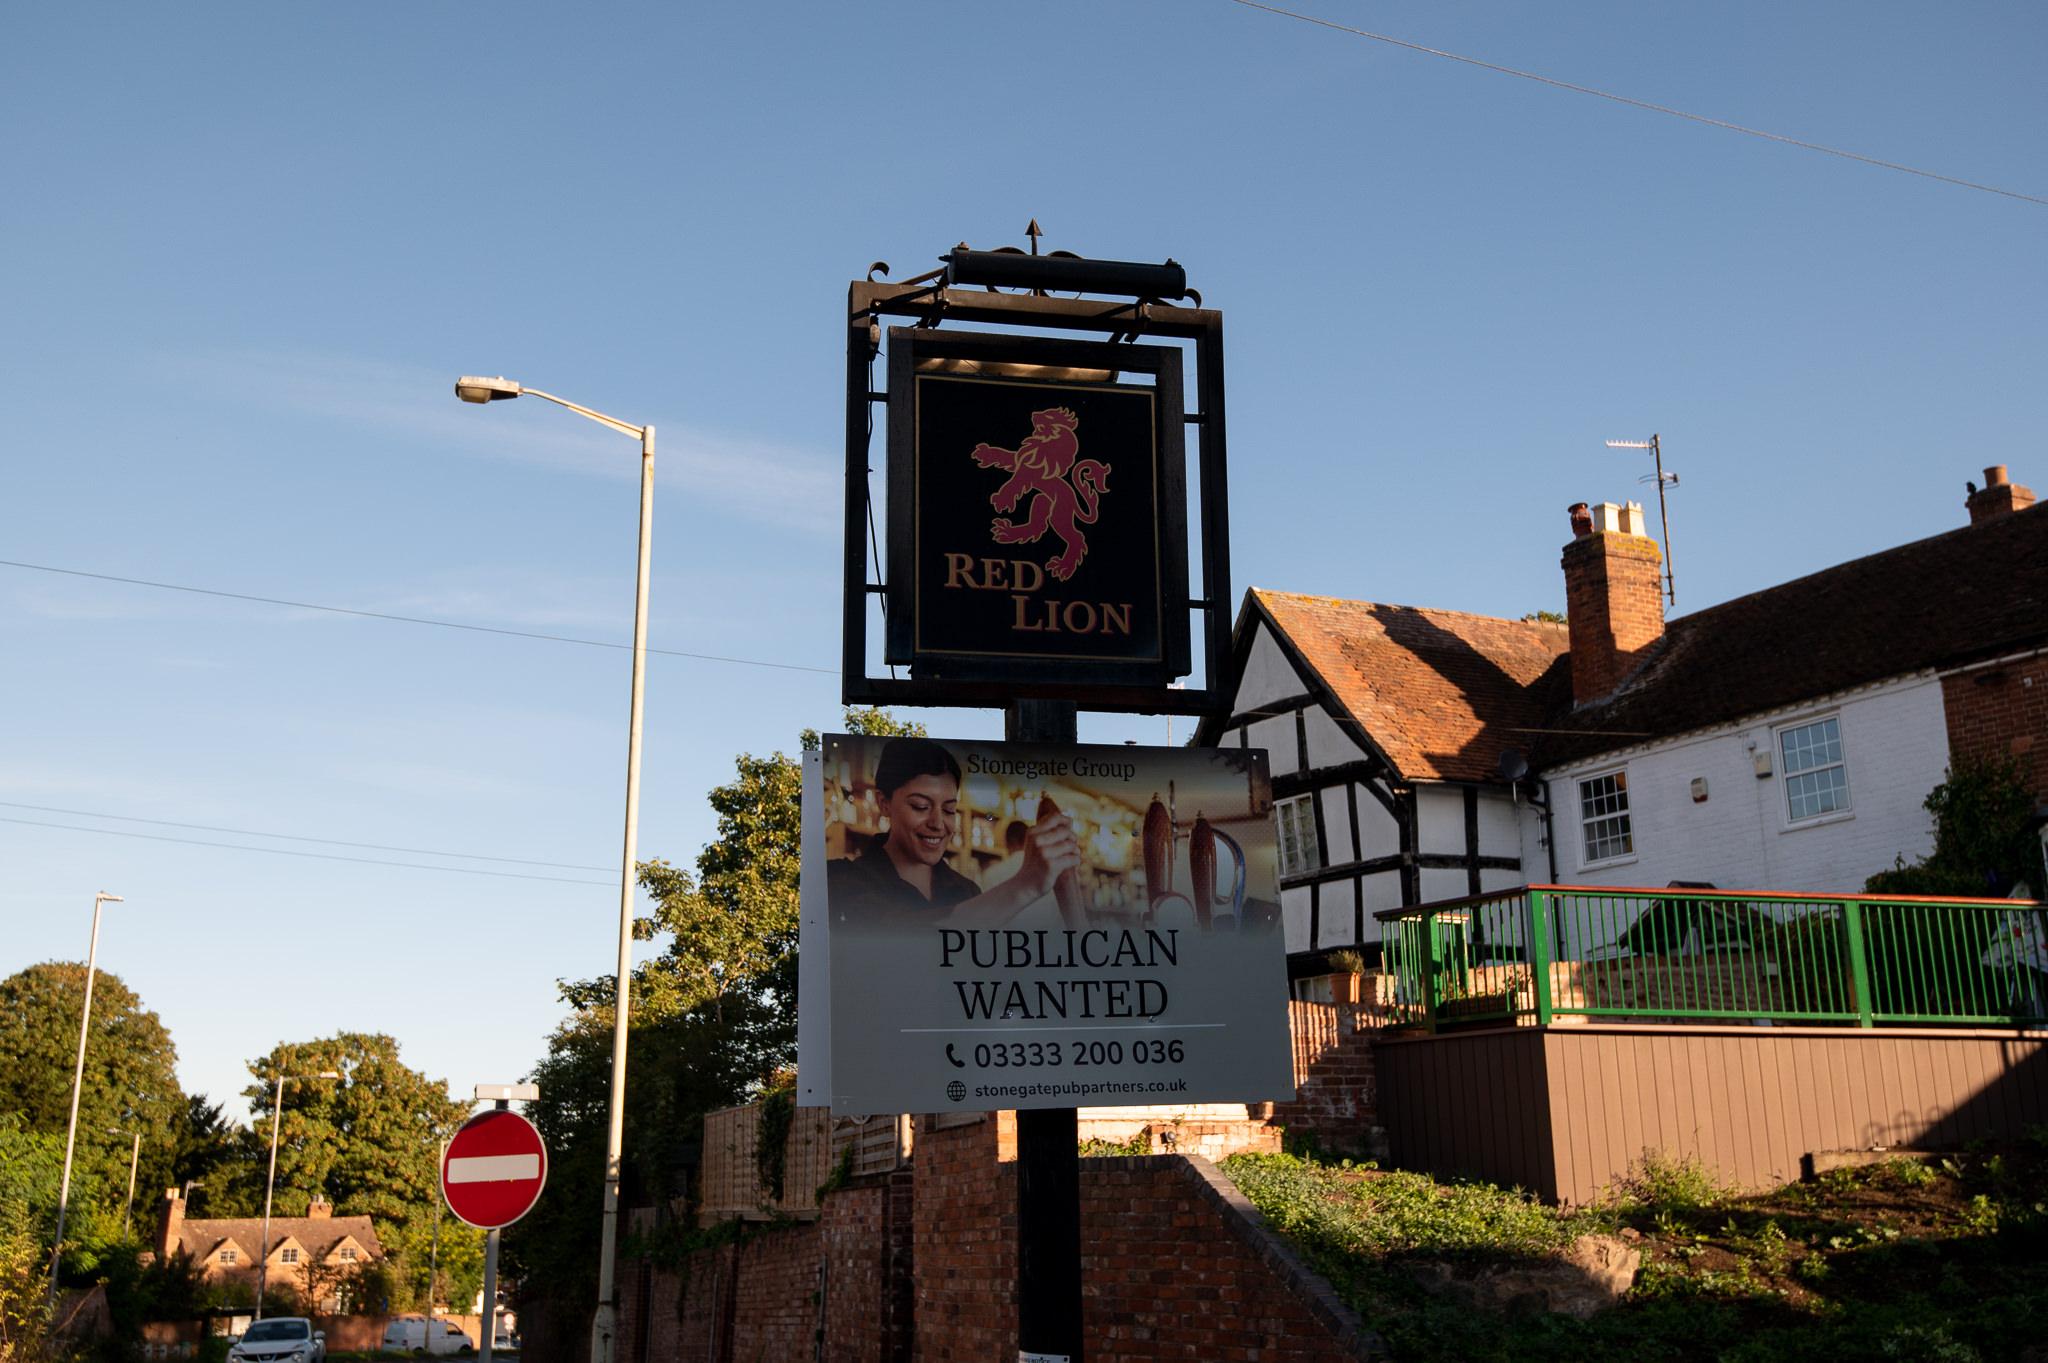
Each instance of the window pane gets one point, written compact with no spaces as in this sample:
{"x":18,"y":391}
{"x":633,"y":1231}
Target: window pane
{"x":1811,"y":745}
{"x":1817,"y":792}
{"x":1603,"y":812}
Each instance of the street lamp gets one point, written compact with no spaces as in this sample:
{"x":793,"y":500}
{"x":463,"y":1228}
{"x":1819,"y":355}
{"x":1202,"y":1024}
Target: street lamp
{"x":270,"y":1183}
{"x":471,"y":388}
{"x":92,"y":959}
{"x":134,"y":1158}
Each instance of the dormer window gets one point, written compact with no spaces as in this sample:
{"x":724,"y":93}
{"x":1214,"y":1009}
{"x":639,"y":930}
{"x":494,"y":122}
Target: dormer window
{"x":287,"y":1256}
{"x":227,"y":1256}
{"x":348,"y":1254}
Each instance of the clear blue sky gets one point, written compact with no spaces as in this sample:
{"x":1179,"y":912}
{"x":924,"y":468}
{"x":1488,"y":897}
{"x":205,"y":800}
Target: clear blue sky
{"x":248,"y":247}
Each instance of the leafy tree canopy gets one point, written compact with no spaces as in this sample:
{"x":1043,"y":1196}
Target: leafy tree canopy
{"x":130,"y":1084}
{"x":371,"y":1140}
{"x":1983,"y":844}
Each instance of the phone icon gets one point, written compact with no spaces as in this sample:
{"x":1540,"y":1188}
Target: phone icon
{"x":958,"y":1063}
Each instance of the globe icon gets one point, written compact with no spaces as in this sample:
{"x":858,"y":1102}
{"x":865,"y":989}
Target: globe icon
{"x":956,"y":1090}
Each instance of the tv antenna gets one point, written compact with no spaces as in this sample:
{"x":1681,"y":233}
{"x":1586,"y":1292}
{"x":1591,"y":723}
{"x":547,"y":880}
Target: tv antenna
{"x":1663,"y":481}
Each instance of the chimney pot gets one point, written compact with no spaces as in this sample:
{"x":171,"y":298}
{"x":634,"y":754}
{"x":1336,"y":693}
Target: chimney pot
{"x":319,"y":1209}
{"x":1998,"y":497}
{"x":1582,"y":519}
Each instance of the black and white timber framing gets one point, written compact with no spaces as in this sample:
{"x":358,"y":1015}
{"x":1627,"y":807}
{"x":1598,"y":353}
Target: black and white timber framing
{"x":1386,"y":838}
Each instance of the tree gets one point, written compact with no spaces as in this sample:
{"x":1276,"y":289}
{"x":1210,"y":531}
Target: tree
{"x":371,"y":1141}
{"x":130,"y":1083}
{"x":713,"y":1019}
{"x":1983,"y":813}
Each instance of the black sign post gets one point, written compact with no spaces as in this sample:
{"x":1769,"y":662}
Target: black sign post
{"x":1037,"y":558}
{"x":1048,"y":1151}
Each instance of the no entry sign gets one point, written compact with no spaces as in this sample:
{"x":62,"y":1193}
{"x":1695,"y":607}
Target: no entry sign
{"x":494,"y":1169}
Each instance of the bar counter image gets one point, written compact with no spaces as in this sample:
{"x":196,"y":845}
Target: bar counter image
{"x":923,"y":833}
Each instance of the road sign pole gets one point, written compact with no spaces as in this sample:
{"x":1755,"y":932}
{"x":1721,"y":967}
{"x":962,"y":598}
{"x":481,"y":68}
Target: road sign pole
{"x":1048,"y":1153}
{"x":490,"y":1321}
{"x":489,"y":1328}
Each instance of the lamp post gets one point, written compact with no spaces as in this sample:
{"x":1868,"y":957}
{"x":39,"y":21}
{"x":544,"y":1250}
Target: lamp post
{"x":270,"y":1182}
{"x":92,"y":959}
{"x":134,"y":1158}
{"x":474,"y":389}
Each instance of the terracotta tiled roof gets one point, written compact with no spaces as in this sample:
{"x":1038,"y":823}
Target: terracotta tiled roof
{"x":1977,"y":592}
{"x":317,"y":1235}
{"x":1439,"y":692}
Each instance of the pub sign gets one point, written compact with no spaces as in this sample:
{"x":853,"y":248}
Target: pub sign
{"x":1037,"y":509}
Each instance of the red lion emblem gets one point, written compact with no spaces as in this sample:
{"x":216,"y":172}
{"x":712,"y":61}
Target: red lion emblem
{"x":1040,"y":467}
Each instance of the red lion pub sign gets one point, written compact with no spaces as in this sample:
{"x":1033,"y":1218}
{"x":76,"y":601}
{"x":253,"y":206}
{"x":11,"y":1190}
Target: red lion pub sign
{"x":1037,"y":501}
{"x":1037,"y":510}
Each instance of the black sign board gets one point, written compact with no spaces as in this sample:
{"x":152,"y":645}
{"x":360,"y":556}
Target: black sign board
{"x":1035,"y":538}
{"x":1036,"y":509}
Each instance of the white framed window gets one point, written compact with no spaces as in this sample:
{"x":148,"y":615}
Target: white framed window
{"x":348,"y":1254}
{"x":1816,"y":779}
{"x":1606,"y":832}
{"x":1299,"y":850}
{"x":227,"y":1256}
{"x":287,"y":1256}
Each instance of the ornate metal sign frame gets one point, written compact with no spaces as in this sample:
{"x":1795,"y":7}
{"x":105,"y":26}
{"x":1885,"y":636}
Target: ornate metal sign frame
{"x":943,"y":678}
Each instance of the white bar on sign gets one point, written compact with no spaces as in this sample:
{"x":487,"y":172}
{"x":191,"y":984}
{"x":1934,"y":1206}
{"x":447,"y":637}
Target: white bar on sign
{"x":493,"y":1168}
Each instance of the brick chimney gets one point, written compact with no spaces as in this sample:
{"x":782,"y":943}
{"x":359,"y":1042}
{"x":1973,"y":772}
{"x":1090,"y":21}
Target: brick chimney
{"x":1997,"y":497}
{"x":319,"y":1209}
{"x":1614,"y":596}
{"x":169,"y":1224}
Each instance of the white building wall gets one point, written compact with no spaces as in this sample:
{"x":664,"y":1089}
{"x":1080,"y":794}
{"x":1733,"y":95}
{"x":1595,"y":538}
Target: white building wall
{"x":1440,"y":820}
{"x":1894,"y":747}
{"x":1268,"y":675}
{"x":1338,"y":847}
{"x":1277,"y":737}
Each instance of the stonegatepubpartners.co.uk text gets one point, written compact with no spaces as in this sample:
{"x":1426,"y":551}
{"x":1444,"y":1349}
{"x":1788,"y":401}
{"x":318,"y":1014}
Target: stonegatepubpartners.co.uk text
{"x":1076,"y":1090}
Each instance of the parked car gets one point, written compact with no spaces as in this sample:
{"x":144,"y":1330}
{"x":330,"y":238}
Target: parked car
{"x":281,"y":1339}
{"x":420,"y":1335}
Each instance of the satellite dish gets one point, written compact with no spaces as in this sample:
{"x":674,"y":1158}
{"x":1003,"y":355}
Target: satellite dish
{"x":1514,"y":764}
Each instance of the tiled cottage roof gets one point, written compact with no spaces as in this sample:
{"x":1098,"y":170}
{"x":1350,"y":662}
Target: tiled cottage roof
{"x":1974,"y":593}
{"x":317,"y":1235}
{"x":1440,"y":692}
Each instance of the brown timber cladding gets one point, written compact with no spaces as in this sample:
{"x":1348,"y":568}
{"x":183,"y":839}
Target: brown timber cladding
{"x":1566,"y":1111}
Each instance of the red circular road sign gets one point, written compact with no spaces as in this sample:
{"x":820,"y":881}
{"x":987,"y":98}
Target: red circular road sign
{"x":494,"y":1169}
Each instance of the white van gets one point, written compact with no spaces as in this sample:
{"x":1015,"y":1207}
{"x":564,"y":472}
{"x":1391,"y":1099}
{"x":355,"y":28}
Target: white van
{"x":420,"y":1335}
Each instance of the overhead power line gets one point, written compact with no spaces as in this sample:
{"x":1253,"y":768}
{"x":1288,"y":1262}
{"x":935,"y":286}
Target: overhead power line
{"x":295,"y":852}
{"x":406,"y":619}
{"x":298,"y":837}
{"x":1639,"y":103}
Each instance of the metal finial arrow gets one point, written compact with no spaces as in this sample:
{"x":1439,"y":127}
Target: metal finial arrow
{"x":1034,"y":232}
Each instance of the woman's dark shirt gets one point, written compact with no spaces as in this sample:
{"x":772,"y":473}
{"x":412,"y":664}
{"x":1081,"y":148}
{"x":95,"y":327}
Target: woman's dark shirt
{"x":867,"y":889}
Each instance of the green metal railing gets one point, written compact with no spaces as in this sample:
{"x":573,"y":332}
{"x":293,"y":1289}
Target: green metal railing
{"x":1534,"y":954}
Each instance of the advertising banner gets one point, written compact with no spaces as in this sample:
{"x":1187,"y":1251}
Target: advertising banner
{"x":1014,"y":925}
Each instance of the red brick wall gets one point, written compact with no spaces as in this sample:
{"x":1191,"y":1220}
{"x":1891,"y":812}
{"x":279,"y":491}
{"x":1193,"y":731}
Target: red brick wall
{"x":964,"y":1245}
{"x":1614,"y":606}
{"x":2000,"y":713}
{"x":761,"y":1298}
{"x":1335,"y":1102}
{"x":1176,"y":1265}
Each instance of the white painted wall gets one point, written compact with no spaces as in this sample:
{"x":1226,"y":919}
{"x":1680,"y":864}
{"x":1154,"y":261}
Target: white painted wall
{"x":1895,"y":750}
{"x":1268,"y":676}
{"x":1440,"y":820}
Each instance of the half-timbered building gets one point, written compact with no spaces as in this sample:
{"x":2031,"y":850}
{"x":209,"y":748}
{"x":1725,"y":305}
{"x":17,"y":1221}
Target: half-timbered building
{"x":1386,"y":727}
{"x":1785,"y":739}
